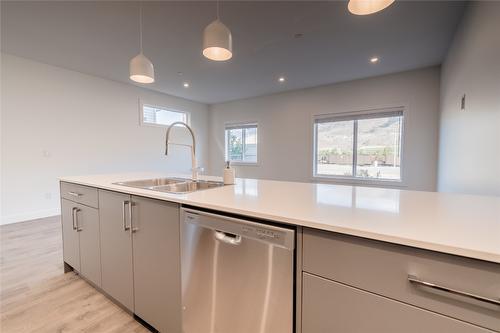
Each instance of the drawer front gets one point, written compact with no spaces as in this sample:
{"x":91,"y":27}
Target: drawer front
{"x":78,"y":193}
{"x":333,"y":307}
{"x":384,"y":268}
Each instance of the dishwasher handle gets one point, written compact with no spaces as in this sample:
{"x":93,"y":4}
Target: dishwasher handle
{"x":227,"y":238}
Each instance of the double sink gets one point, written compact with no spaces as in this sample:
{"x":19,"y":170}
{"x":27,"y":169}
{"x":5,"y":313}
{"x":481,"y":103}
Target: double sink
{"x":172,"y":185}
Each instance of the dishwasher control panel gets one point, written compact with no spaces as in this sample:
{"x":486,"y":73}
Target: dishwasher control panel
{"x":262,"y":233}
{"x":278,"y":236}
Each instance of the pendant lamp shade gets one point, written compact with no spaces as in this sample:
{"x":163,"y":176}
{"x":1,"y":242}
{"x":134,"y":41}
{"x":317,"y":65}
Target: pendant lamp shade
{"x":366,"y":7}
{"x":141,"y":69}
{"x":217,"y":42}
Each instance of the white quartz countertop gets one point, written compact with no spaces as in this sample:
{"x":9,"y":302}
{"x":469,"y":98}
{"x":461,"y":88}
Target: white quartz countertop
{"x":465,"y":225}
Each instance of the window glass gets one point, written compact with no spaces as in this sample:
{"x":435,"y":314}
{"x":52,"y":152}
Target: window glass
{"x":241,"y":143}
{"x":359,"y":146}
{"x":334,"y":148}
{"x":235,"y":148}
{"x":161,"y":116}
{"x":379,"y":148}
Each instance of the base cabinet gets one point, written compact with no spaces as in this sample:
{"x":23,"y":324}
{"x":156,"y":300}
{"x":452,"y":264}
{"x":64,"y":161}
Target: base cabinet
{"x":385,"y":269}
{"x":116,"y":247}
{"x":328,"y":306}
{"x":71,"y":238}
{"x":156,"y":257}
{"x":81,"y":245}
{"x":141,"y":257}
{"x":87,"y":220}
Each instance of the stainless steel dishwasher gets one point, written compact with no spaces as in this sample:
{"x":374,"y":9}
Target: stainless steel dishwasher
{"x":237,"y":275}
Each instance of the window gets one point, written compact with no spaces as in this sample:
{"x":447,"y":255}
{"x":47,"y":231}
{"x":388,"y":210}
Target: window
{"x":155,"y":115}
{"x":361,"y":146}
{"x":241,"y":143}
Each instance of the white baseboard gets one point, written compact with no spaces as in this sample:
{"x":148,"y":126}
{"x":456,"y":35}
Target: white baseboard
{"x":29,"y":216}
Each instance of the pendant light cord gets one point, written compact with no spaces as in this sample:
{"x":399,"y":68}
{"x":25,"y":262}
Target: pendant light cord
{"x":217,"y":9}
{"x":140,"y":26}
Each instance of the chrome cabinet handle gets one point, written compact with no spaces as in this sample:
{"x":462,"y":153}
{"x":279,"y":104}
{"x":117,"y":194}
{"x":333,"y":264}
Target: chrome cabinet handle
{"x":124,"y":214}
{"x":74,"y":194}
{"x":73,"y":217}
{"x":415,"y":280}
{"x":227,"y":238}
{"x":75,"y":214}
{"x":132,"y":229}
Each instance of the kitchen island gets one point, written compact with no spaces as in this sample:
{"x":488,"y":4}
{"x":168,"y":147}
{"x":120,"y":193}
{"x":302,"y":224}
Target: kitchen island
{"x":409,"y":260}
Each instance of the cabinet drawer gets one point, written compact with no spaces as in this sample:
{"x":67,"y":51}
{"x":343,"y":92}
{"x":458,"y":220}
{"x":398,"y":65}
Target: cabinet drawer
{"x":78,"y":193}
{"x":333,"y":307}
{"x":384,"y":268}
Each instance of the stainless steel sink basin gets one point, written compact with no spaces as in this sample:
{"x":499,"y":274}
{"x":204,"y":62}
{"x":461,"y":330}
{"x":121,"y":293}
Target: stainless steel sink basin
{"x":172,"y":185}
{"x":189,"y":186}
{"x":148,"y":183}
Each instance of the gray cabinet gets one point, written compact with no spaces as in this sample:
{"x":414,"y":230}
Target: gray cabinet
{"x":384,"y":269}
{"x":81,"y":246}
{"x":141,"y":258}
{"x":329,"y":306}
{"x":87,"y":221}
{"x":71,"y":239}
{"x":116,"y":247}
{"x":156,"y":256}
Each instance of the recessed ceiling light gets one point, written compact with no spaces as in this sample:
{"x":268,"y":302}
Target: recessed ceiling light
{"x":186,"y":85}
{"x":374,"y":60}
{"x":281,"y":79}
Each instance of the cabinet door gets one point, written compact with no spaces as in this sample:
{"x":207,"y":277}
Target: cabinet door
{"x":116,"y":247}
{"x":87,"y":222}
{"x":71,"y":242}
{"x":157,"y":286}
{"x":328,"y":306}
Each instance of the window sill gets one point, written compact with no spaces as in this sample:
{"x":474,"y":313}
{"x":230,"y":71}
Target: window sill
{"x":158,"y":125}
{"x":359,"y":181}
{"x":239,"y":163}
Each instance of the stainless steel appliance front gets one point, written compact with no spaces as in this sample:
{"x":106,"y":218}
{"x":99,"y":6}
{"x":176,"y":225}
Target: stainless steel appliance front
{"x":237,"y":275}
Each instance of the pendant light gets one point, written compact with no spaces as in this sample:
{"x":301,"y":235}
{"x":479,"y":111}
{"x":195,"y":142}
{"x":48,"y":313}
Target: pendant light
{"x":366,"y":7}
{"x":141,"y":68}
{"x":217,"y":40}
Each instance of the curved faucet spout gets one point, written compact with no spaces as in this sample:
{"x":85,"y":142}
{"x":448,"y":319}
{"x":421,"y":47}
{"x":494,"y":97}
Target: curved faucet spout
{"x":194,"y":168}
{"x":168,"y":135}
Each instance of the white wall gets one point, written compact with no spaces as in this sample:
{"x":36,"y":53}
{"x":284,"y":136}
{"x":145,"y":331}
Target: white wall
{"x":57,"y":122}
{"x":285,"y":124}
{"x":469,"y":149}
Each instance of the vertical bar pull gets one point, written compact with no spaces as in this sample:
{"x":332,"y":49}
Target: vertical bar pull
{"x":124,"y":214}
{"x":132,"y":229}
{"x":73,"y":217}
{"x":76,"y":219}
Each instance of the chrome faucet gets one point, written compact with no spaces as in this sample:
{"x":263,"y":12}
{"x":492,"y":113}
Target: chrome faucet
{"x":194,"y":168}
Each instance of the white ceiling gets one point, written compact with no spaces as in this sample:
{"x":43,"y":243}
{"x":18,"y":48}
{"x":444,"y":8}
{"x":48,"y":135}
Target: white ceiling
{"x":99,"y":38}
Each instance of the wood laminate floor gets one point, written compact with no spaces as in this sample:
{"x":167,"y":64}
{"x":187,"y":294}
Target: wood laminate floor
{"x":35,"y":294}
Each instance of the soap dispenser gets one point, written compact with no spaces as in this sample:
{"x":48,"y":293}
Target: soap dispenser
{"x":228,"y":174}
